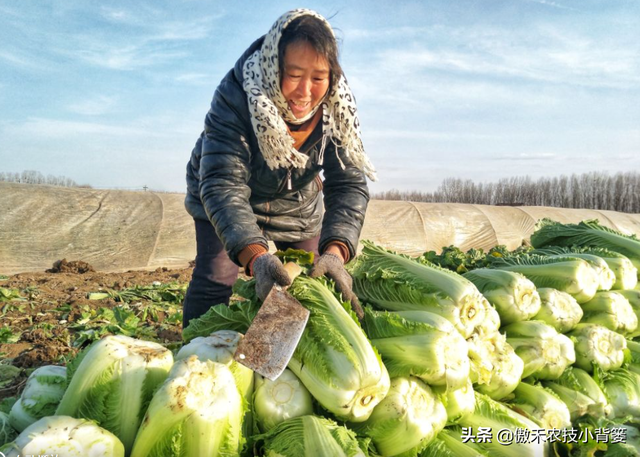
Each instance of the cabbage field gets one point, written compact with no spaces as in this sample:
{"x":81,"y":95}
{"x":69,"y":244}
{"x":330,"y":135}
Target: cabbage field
{"x":532,"y":352}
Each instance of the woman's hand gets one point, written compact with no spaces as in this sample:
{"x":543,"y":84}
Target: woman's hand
{"x":332,"y":266}
{"x":269,"y":271}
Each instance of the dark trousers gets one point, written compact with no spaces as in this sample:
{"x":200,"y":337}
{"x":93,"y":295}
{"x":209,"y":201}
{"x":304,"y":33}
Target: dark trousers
{"x":214,"y":273}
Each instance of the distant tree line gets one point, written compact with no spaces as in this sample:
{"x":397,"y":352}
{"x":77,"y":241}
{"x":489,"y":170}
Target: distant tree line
{"x":35,"y":177}
{"x":595,"y":190}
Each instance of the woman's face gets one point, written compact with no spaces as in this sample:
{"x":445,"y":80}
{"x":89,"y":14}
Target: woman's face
{"x":306,"y":78}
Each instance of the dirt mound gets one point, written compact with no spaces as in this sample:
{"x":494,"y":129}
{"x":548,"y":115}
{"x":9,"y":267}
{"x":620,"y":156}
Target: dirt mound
{"x":74,"y":266}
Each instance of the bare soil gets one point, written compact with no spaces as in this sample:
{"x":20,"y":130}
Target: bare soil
{"x":57,"y":299}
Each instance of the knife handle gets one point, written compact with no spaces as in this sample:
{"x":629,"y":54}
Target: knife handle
{"x":293,"y":269}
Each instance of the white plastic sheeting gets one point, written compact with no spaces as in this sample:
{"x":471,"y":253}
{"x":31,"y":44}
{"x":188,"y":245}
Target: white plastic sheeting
{"x":123,"y":230}
{"x":413,"y":228}
{"x":111,"y":230}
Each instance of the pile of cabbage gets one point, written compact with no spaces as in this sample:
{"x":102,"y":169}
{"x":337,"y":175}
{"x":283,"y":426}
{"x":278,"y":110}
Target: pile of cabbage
{"x":456,"y":351}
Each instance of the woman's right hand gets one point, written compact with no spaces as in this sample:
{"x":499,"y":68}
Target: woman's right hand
{"x":268,"y":271}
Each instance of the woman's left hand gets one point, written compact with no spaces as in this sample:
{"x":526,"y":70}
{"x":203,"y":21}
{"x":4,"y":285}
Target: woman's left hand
{"x":332,"y":266}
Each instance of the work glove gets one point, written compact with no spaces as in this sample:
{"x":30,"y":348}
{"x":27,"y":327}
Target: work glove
{"x":332,"y":266}
{"x":269,"y":271}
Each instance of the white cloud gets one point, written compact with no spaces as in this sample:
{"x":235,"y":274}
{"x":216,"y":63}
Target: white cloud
{"x":528,"y":156}
{"x":151,"y":151}
{"x":132,"y":39}
{"x":391,"y":134}
{"x":153,"y":24}
{"x":194,"y":78}
{"x":129,"y":57}
{"x":606,"y":68}
{"x":93,"y":107}
{"x":15,"y":59}
{"x":44,"y":128}
{"x":144,"y":46}
{"x":425,"y":93}
{"x":162,"y":126}
{"x":552,"y":4}
{"x":117,"y":15}
{"x":402,"y":32}
{"x":548,"y":54}
{"x":8,"y":11}
{"x":182,"y":30}
{"x":474,"y":78}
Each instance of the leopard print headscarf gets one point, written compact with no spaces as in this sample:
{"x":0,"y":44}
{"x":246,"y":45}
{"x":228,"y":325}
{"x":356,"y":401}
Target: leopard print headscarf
{"x":269,"y":109}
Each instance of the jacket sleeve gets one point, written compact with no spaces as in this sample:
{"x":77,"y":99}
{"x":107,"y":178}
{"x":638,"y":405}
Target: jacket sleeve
{"x":225,"y":169}
{"x":346,"y":196}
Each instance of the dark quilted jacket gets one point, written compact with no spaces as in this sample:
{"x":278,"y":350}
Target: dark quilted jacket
{"x":230,"y":184}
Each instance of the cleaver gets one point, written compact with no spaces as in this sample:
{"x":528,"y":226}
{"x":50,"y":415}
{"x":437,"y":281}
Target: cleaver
{"x":273,"y":335}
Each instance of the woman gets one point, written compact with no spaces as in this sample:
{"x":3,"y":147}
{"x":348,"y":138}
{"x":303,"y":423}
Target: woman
{"x":282,"y":115}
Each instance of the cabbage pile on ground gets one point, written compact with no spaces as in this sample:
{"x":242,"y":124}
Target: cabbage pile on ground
{"x":458,"y":354}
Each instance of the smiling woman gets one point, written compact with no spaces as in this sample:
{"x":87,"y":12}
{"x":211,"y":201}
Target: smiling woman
{"x":305,"y":79}
{"x":280,"y":117}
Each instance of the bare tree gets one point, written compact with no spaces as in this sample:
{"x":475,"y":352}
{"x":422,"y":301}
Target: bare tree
{"x":595,"y":190}
{"x":36,"y":177}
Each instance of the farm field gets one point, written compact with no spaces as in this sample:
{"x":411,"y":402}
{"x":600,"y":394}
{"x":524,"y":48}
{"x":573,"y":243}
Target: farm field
{"x":48,"y":317}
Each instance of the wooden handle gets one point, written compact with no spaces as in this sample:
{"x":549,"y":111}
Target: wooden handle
{"x":293,"y":269}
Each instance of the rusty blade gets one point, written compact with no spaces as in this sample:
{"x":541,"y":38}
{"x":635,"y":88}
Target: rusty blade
{"x":273,"y":335}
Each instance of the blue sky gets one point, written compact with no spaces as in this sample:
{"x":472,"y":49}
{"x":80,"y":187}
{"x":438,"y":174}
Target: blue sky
{"x":113,"y":94}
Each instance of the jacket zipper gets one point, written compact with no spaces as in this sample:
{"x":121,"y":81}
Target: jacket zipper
{"x":287,"y":184}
